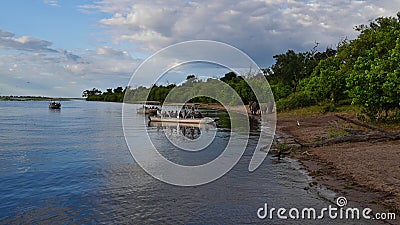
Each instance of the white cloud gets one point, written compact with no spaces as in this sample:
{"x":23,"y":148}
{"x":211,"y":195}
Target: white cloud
{"x":108,"y":51}
{"x":5,"y":34}
{"x":53,"y":3}
{"x":103,"y":62}
{"x":260,"y":28}
{"x":9,"y":41}
{"x":30,"y":66}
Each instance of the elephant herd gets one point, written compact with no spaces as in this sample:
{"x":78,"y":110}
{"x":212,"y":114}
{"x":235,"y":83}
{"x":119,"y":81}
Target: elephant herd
{"x":256,"y":109}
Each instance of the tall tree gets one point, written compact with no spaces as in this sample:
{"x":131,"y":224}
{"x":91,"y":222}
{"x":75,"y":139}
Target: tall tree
{"x":374,"y":82}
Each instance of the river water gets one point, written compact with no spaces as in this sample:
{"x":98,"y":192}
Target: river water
{"x":73,"y":166}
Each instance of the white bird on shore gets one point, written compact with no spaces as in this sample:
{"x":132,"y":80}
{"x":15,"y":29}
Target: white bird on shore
{"x":298,"y":123}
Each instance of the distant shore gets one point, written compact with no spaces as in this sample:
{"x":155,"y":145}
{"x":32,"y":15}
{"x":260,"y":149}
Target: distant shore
{"x":35,"y":98}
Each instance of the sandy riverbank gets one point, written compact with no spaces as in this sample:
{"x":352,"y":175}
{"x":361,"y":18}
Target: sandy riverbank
{"x":364,"y":172}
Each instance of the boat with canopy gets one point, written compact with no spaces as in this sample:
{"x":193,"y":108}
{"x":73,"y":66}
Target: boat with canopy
{"x":187,"y":114}
{"x":53,"y":104}
{"x":148,"y":107}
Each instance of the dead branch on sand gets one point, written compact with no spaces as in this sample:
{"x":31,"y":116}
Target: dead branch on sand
{"x":378,"y":134}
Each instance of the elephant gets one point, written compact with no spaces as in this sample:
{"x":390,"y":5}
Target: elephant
{"x":254,"y":107}
{"x":270,"y":107}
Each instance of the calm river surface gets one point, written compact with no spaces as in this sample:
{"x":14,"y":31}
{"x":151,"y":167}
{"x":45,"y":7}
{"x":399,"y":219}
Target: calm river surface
{"x":73,"y":166}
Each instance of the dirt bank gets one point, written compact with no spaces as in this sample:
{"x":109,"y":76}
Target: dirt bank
{"x":365,"y":172}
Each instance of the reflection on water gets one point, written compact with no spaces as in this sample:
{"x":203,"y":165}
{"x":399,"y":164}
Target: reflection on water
{"x":54,"y":110}
{"x":191,"y":131}
{"x":73,"y":166}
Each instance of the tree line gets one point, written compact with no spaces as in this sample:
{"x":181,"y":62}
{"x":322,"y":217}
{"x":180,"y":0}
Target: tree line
{"x":196,"y":90}
{"x":363,"y":72}
{"x":110,"y":95}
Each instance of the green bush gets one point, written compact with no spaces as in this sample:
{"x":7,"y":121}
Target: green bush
{"x":296,"y":101}
{"x":328,"y":108}
{"x":374,"y":82}
{"x":281,"y":91}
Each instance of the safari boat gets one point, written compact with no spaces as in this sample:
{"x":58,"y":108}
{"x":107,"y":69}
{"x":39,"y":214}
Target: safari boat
{"x":205,"y":120}
{"x":186,"y":115}
{"x":148,"y":107}
{"x":54,"y":105}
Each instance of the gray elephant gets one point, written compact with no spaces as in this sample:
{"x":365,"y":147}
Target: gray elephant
{"x":254,"y":107}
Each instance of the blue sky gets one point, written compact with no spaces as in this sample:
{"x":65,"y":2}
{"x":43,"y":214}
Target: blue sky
{"x":64,"y":25}
{"x":62,"y":47}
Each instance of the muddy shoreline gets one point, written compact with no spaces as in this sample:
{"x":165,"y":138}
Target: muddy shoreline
{"x":367,"y":174}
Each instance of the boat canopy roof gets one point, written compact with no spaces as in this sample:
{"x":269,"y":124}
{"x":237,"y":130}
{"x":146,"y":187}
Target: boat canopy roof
{"x":181,"y":104}
{"x":148,"y":102}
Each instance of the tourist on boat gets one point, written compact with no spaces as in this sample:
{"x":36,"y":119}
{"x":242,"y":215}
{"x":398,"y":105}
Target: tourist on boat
{"x":192,"y":112}
{"x":184,"y":114}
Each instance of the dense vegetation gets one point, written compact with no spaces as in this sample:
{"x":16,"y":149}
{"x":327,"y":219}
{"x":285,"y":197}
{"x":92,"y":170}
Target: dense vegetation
{"x":116,"y":95}
{"x":206,"y":91}
{"x":30,"y":98}
{"x":363,"y":72}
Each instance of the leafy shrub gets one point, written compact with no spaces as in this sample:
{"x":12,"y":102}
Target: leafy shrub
{"x":374,"y":82}
{"x":281,"y":91}
{"x":296,"y":101}
{"x":328,"y":108}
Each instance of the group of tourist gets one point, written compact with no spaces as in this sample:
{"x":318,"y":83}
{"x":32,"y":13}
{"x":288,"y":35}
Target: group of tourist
{"x":183,"y":114}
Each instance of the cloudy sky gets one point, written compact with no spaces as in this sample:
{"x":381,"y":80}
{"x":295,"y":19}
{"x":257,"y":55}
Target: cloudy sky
{"x":62,"y":47}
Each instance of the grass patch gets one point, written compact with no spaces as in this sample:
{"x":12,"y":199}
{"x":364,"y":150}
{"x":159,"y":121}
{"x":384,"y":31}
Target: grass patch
{"x":348,"y":186}
{"x":336,"y":133}
{"x":282,"y":147}
{"x":317,"y":139}
{"x":302,"y":112}
{"x":350,"y":109}
{"x":319,"y":110}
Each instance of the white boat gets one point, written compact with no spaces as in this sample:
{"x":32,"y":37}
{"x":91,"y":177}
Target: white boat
{"x":148,"y":107}
{"x":205,"y":120}
{"x":188,"y":125}
{"x":146,"y":111}
{"x":185,"y":114}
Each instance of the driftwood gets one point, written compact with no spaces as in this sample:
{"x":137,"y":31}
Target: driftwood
{"x":335,"y":124}
{"x":378,"y":134}
{"x":355,"y":131}
{"x":353,"y":138}
{"x":359,"y":123}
